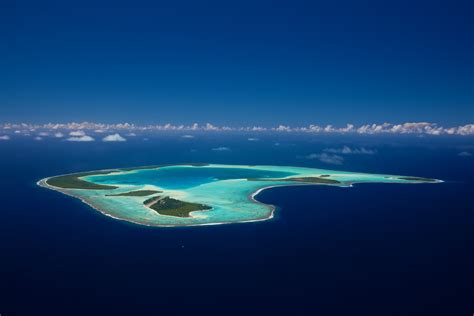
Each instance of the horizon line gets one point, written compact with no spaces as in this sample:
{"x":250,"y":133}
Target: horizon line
{"x":385,"y":128}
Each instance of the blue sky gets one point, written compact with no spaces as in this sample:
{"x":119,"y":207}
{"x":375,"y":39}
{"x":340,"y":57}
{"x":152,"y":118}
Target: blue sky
{"x":237,"y":63}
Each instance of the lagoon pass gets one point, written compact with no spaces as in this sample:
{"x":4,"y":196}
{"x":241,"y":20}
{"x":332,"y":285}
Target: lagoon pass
{"x":198,"y":194}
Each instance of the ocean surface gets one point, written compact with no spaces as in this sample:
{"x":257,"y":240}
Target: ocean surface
{"x":373,"y":249}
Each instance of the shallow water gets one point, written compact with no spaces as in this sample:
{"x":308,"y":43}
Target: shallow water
{"x":185,"y":177}
{"x":224,"y":188}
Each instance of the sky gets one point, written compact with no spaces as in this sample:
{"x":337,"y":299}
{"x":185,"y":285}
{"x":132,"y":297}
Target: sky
{"x":237,"y":63}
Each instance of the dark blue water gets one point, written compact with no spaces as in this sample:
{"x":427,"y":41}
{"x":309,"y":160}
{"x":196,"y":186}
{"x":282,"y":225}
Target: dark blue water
{"x":166,"y":178}
{"x":374,"y":249}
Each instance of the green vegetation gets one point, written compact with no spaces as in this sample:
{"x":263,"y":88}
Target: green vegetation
{"x":319,"y":180}
{"x":172,"y":207}
{"x":315,"y":180}
{"x":73,"y":181}
{"x":136,"y":193}
{"x":417,"y":179}
{"x":150,"y":201}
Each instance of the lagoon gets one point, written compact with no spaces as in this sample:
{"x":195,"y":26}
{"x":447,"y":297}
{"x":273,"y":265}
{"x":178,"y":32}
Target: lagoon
{"x":200,"y":194}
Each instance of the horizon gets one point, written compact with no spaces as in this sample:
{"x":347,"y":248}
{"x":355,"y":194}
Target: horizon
{"x":407,"y":128}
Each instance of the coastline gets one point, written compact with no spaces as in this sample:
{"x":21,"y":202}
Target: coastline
{"x":42,"y":183}
{"x":251,"y":197}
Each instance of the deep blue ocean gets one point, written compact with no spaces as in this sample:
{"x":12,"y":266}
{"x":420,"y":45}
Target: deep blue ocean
{"x":374,"y":249}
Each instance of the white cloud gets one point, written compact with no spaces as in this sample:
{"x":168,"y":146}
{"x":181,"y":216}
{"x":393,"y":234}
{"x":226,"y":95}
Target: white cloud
{"x":349,"y":128}
{"x":38,"y":138}
{"x":84,"y":138}
{"x":346,"y":150}
{"x":4,"y":137}
{"x":418,"y":128}
{"x":465,"y":154}
{"x":466,"y":129}
{"x":58,"y":135}
{"x":131,"y":134}
{"x":187,"y":136}
{"x":282,"y":128}
{"x":256,"y":129}
{"x":327,"y":158}
{"x":43,"y":134}
{"x":221,"y":149}
{"x":77,"y":133}
{"x":113,"y":138}
{"x":252,"y":139}
{"x":210,"y":127}
{"x":329,"y":129}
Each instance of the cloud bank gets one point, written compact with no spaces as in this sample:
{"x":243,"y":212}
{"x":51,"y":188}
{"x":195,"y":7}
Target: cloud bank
{"x":415,"y":128}
{"x":4,"y":137}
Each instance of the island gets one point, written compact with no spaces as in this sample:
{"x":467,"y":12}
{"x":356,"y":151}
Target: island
{"x":198,"y":193}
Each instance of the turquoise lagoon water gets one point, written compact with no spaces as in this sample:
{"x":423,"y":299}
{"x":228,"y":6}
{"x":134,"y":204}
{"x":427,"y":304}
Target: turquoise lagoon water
{"x":223,"y":187}
{"x":186,"y":177}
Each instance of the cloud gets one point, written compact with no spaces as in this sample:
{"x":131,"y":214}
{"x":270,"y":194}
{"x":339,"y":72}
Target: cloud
{"x":256,"y":129}
{"x":38,"y":138}
{"x":221,"y":149}
{"x":131,"y":134}
{"x":252,"y":139}
{"x":43,"y":134}
{"x":417,"y":128}
{"x":187,"y":136}
{"x":346,"y":150}
{"x":114,"y":138}
{"x":4,"y":137}
{"x":210,"y":127}
{"x":464,"y":154}
{"x":283,"y":128}
{"x":58,"y":135}
{"x":77,"y":133}
{"x":327,"y":158}
{"x":84,"y":138}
